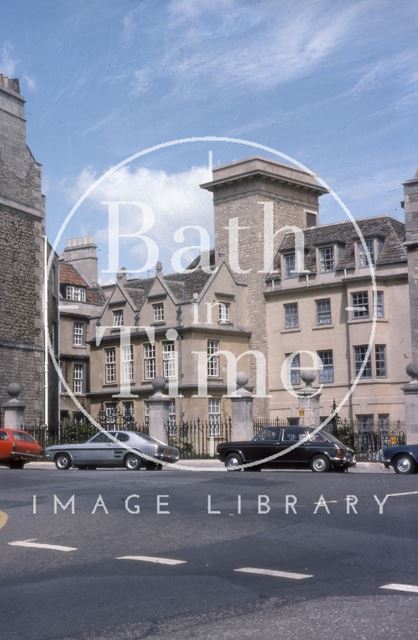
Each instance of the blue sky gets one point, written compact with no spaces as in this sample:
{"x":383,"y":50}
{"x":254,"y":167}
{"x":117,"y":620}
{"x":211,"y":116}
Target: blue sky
{"x":333,"y":84}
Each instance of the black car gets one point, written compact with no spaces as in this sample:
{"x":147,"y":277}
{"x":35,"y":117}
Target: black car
{"x":321,"y":452}
{"x":402,"y":457}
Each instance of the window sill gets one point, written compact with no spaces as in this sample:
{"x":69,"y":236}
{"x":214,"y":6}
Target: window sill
{"x":110,"y":384}
{"x":291,"y":330}
{"x":225,"y":324}
{"x":158,"y":323}
{"x":365,"y":320}
{"x":79,"y":346}
{"x":318,"y":327}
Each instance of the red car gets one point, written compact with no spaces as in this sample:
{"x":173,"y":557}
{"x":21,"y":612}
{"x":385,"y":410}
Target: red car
{"x":18,"y":447}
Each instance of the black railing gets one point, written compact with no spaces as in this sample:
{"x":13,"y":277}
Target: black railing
{"x":367,"y":443}
{"x":198,"y":438}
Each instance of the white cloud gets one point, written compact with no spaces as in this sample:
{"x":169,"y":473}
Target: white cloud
{"x":30,"y":82}
{"x":175,"y":199}
{"x":187,"y":9}
{"x":128,"y":27}
{"x":247,"y":48}
{"x":8,"y":63}
{"x":140,"y":82}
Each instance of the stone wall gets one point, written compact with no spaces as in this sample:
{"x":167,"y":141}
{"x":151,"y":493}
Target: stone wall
{"x":21,"y":257}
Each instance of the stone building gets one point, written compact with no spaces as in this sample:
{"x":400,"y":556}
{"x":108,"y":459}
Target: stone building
{"x":251,"y":313}
{"x":81,"y":299}
{"x":22,"y":252}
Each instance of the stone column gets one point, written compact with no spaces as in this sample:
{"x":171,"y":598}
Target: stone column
{"x":411,"y":404}
{"x":242,"y":427}
{"x":159,"y":405}
{"x":14,"y":409}
{"x":309,"y":414}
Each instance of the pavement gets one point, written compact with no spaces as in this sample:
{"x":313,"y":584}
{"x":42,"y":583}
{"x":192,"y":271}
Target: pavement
{"x":211,"y":464}
{"x":276,"y":554}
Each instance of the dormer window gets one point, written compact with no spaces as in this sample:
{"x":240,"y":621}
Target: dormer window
{"x":77,"y":294}
{"x":224,"y":313}
{"x":158,"y":312}
{"x":290,"y":265}
{"x":327,"y":259}
{"x":118,"y":318}
{"x":374,"y":247}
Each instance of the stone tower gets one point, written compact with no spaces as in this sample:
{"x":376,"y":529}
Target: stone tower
{"x":238,"y":191}
{"x":21,"y":256}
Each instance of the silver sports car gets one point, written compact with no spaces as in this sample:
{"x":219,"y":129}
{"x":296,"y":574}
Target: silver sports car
{"x":128,"y":449}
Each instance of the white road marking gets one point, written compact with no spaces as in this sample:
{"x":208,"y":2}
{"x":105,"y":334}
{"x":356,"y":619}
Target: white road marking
{"x":410,"y":588}
{"x":38,"y":545}
{"x":275,"y":574}
{"x":171,"y":561}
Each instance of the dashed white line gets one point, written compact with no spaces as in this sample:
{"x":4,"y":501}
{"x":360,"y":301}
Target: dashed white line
{"x":152,"y":559}
{"x":275,"y":574}
{"x":40,"y":545}
{"x":409,"y":588}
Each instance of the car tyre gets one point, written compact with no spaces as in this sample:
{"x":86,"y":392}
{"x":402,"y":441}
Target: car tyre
{"x":232,"y":461}
{"x":320,"y":464}
{"x":154,"y":466}
{"x":404,"y":464}
{"x":132,"y":462}
{"x":17,"y":464}
{"x":62,"y":461}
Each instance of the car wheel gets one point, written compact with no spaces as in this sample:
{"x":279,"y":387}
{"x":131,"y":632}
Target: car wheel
{"x":132,"y":462}
{"x":404,"y":464}
{"x":154,"y":466}
{"x":320,"y":464}
{"x":232,"y":461}
{"x":62,"y":461}
{"x":17,"y":464}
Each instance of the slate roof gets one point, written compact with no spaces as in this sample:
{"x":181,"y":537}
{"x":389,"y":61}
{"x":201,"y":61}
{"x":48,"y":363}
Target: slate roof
{"x":181,"y":285}
{"x":389,"y":230}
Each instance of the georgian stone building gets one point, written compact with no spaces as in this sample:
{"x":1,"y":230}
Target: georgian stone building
{"x":22,"y":251}
{"x":246,"y":315}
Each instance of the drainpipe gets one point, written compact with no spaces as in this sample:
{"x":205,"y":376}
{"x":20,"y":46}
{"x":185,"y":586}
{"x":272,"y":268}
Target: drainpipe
{"x":46,"y":334}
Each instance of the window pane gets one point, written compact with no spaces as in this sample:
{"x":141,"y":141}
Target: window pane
{"x":213,"y":358}
{"x":291,"y":316}
{"x":359,"y":357}
{"x":149,"y":361}
{"x":214,"y":415}
{"x":326,"y":374}
{"x":327,"y":259}
{"x":224,"y":312}
{"x":110,"y":366}
{"x":380,"y":352}
{"x":290,"y":265}
{"x":323,"y":312}
{"x":362,"y":253}
{"x":360,"y":300}
{"x":158,"y":310}
{"x":379,"y":304}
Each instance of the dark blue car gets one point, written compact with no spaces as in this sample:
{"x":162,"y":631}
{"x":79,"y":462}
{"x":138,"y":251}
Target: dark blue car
{"x":402,"y":457}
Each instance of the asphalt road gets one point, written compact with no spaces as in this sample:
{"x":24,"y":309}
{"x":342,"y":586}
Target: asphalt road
{"x":209,"y":577}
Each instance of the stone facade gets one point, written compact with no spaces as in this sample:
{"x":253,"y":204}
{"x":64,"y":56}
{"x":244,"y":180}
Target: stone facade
{"x":239,"y":191}
{"x":22,"y":226}
{"x":254,"y":307}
